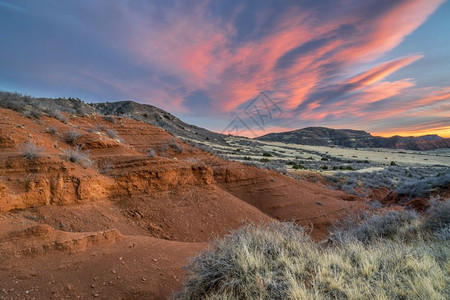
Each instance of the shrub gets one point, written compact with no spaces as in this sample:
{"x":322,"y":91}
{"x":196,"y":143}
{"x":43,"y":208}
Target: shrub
{"x":324,"y":159}
{"x":30,"y":150}
{"x":112,"y":134}
{"x":264,"y":160}
{"x":177,"y":148}
{"x":423,"y":187}
{"x":296,"y":167}
{"x":151,"y":152}
{"x":71,"y":136}
{"x":393,"y":163}
{"x":13,"y":101}
{"x":76,"y":155}
{"x":32,"y":114}
{"x":110,"y":119}
{"x":51,"y":130}
{"x":438,"y":216}
{"x":267,"y":154}
{"x":105,"y":167}
{"x":278,"y":261}
{"x":57,"y":115}
{"x":97,"y":128}
{"x":392,"y":225}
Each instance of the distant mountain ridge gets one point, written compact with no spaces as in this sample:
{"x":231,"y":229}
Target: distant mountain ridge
{"x":323,"y":136}
{"x":316,"y":136}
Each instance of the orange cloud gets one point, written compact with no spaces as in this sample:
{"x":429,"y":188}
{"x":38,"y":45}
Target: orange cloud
{"x":296,"y":58}
{"x":383,"y":70}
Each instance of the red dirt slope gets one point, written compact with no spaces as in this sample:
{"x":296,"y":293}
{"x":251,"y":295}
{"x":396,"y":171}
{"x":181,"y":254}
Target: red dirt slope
{"x":124,"y":227}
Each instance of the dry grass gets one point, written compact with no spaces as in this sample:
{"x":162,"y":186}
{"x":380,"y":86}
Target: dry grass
{"x":30,"y":150}
{"x":76,"y":155}
{"x":71,"y":136}
{"x":278,"y":261}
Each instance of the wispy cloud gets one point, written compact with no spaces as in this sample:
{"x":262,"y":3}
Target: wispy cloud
{"x":323,"y":62}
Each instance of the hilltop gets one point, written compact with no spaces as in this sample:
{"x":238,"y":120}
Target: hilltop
{"x":322,"y":136}
{"x":112,"y":206}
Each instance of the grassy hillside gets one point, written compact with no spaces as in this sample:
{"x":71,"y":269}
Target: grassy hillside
{"x":398,"y":255}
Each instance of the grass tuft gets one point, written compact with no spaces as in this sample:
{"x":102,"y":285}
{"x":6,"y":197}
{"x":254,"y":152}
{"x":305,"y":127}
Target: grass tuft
{"x":76,"y":155}
{"x":279,"y":261}
{"x":30,"y":150}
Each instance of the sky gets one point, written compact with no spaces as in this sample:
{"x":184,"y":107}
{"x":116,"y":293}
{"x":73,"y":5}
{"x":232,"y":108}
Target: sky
{"x":241,"y":67}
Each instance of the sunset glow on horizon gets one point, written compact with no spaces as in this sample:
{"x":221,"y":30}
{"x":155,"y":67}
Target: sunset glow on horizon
{"x":378,"y":66}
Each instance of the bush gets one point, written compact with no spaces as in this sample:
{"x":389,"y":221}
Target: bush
{"x":278,"y":261}
{"x":438,"y":216}
{"x":296,"y":166}
{"x":151,"y":152}
{"x":51,"y":130}
{"x":32,"y":114}
{"x":393,"y":225}
{"x":13,"y":101}
{"x":423,"y":187}
{"x":30,"y":150}
{"x":267,"y":154}
{"x":76,"y":155}
{"x":105,"y":166}
{"x":264,"y":160}
{"x":71,"y":136}
{"x":112,"y":134}
{"x":177,"y":148}
{"x":110,"y":119}
{"x":57,"y":115}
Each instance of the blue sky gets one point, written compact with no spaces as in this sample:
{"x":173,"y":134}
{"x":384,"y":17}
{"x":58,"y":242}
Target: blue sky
{"x":381,"y":66}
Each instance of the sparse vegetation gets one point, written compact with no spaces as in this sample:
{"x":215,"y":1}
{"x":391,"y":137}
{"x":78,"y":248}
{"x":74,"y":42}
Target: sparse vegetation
{"x":423,"y":187}
{"x":267,"y":154}
{"x":111,"y":133}
{"x":174,"y":145}
{"x":110,"y":119}
{"x":105,"y":167}
{"x":36,"y":107}
{"x":385,"y":257}
{"x":51,"y":130}
{"x":77,"y":155}
{"x":57,"y":115}
{"x":413,"y":182}
{"x":71,"y":136}
{"x":30,"y":150}
{"x":401,"y":225}
{"x":151,"y":152}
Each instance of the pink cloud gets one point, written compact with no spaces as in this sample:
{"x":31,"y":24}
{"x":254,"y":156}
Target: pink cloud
{"x":198,"y":51}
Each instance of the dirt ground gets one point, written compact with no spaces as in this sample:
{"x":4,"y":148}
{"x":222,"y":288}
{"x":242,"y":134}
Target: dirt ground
{"x":123,"y":227}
